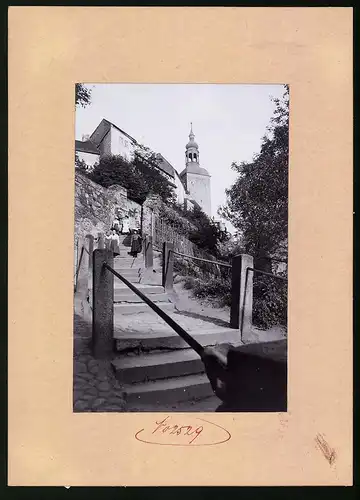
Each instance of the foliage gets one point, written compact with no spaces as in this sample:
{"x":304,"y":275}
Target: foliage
{"x":169,"y":213}
{"x":216,"y":290}
{"x":257,"y":203}
{"x":270,"y":304}
{"x":205,"y":233}
{"x":139,"y":176}
{"x":82,"y":95}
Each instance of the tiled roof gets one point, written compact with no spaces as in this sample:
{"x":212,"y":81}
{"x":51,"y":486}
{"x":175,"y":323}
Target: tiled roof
{"x":86,"y":147}
{"x":165,"y":166}
{"x":194,"y":169}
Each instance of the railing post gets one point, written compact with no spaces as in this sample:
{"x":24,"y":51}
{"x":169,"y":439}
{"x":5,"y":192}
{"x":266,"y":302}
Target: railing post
{"x":168,"y":266}
{"x":103,"y":305}
{"x":242,"y":294}
{"x":82,"y":284}
{"x":101,"y":241}
{"x":90,"y":248}
{"x":148,"y":252}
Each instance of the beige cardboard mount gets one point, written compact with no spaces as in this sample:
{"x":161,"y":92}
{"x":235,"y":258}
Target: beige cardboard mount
{"x":51,"y":48}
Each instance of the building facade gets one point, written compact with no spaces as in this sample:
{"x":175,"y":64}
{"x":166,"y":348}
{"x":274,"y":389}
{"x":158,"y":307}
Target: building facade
{"x":195,"y":178}
{"x":191,"y":187}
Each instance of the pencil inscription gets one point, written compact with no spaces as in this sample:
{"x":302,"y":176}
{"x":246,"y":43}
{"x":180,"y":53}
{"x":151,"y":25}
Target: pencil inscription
{"x":328,"y":452}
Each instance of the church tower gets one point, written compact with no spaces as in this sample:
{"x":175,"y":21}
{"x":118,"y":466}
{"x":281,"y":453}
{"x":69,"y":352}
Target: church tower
{"x":196,"y":179}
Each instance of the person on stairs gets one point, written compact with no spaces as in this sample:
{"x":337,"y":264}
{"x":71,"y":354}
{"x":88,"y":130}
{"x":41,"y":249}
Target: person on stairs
{"x":116,"y":225}
{"x":114,"y":242}
{"x":125,"y":225}
{"x":136,"y":244}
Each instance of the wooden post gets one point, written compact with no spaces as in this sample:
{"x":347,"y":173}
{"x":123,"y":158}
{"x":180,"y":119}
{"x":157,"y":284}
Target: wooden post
{"x":90,"y":249}
{"x":242,"y":294}
{"x":103,"y":305}
{"x":82,"y":285}
{"x":152,"y":224}
{"x":148,"y":252}
{"x":168,"y":266}
{"x":101,"y":241}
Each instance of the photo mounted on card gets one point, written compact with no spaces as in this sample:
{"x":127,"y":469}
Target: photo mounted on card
{"x":181,"y":244}
{"x":182,"y":179}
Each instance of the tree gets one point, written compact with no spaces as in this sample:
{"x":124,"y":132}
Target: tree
{"x":82,"y":95}
{"x":207,"y":234}
{"x":257,"y":203}
{"x":139,"y":176}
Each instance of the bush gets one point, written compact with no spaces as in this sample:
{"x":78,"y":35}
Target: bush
{"x":269,"y":293}
{"x":269,"y":302}
{"x":216,"y":289}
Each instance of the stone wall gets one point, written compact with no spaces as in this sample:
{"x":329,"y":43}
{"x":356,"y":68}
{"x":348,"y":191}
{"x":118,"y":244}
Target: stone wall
{"x":95,"y":207}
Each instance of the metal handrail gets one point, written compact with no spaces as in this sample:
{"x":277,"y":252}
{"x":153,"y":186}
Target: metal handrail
{"x":259,"y":271}
{"x":198,"y":348}
{"x":201,"y":259}
{"x":78,"y":266}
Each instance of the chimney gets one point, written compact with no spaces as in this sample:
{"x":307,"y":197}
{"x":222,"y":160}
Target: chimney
{"x":85,"y":137}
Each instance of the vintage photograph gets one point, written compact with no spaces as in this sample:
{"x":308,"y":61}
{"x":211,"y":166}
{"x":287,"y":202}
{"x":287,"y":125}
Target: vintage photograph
{"x":180,"y":247}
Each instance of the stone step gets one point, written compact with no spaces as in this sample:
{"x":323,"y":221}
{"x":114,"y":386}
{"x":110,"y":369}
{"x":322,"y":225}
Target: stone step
{"x":135,"y":279}
{"x":168,"y":339}
{"x":175,"y":390}
{"x":132,"y":297}
{"x":128,"y":308}
{"x":126,"y":248}
{"x":121,"y":289}
{"x":124,"y":253}
{"x":128,"y":272}
{"x":146,"y":367}
{"x":124,"y":262}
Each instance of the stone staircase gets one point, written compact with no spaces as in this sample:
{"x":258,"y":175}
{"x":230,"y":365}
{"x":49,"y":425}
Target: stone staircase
{"x":155,"y":366}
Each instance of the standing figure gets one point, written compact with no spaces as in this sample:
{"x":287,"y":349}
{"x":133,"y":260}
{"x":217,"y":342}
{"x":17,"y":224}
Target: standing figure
{"x":114,"y":241}
{"x":136,"y":244}
{"x":126,"y":225}
{"x":116,"y":225}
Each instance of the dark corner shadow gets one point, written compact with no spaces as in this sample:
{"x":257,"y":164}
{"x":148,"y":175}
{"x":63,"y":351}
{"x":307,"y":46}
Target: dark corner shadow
{"x":209,"y":319}
{"x":251,"y":383}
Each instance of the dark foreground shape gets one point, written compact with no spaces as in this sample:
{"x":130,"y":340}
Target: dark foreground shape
{"x":249,"y":378}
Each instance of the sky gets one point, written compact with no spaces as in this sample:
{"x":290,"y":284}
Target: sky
{"x":229,"y":122}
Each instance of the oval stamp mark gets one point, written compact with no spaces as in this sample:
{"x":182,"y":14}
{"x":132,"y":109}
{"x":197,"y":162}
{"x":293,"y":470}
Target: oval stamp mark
{"x":194,"y":431}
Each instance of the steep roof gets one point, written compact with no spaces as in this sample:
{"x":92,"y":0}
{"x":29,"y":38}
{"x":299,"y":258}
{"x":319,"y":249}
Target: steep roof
{"x":86,"y":147}
{"x":103,"y":128}
{"x":165,"y":166}
{"x":194,"y":169}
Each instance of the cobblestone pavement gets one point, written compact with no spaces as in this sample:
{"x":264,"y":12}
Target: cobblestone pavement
{"x":95,"y":387}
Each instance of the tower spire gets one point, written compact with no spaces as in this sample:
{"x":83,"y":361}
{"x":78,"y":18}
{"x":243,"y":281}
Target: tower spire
{"x":192,"y":149}
{"x":191,"y":135}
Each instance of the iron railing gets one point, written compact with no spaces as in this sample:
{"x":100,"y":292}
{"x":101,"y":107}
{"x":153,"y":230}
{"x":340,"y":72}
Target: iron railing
{"x":218,"y":263}
{"x":194,"y":344}
{"x":78,"y":267}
